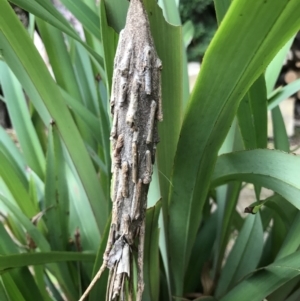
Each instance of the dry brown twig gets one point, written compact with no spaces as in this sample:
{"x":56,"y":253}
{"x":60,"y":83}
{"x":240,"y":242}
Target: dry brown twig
{"x":136,"y":107}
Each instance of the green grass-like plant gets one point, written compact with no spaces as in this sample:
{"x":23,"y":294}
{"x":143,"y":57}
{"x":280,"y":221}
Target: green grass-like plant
{"x":55,"y":182}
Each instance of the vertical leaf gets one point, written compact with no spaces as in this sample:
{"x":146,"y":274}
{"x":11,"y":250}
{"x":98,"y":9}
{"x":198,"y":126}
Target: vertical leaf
{"x":252,"y":115}
{"x":17,"y":47}
{"x":17,"y":187}
{"x":201,"y":253}
{"x":20,"y":118}
{"x":56,"y":194}
{"x":291,"y":242}
{"x":273,"y":70}
{"x":151,"y":256}
{"x":244,"y":256}
{"x":263,"y":28}
{"x":110,"y":40}
{"x":265,"y":281}
{"x":11,"y":288}
{"x":3,"y":293}
{"x":281,"y":140}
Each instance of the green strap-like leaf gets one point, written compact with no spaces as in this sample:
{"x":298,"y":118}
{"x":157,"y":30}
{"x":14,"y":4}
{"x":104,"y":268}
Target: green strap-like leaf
{"x":284,"y":93}
{"x":273,"y":70}
{"x":20,"y":260}
{"x":272,"y":169}
{"x":3,"y":293}
{"x":116,"y":17}
{"x":281,"y":140}
{"x":110,"y":41}
{"x":188,"y":32}
{"x":252,"y":115}
{"x":244,"y":256}
{"x":151,"y":256}
{"x":12,"y":289}
{"x":171,"y":11}
{"x":17,"y":187}
{"x":14,"y":39}
{"x":292,"y":240}
{"x":201,"y":252}
{"x":56,"y":194}
{"x":84,"y":15}
{"x":86,"y":115}
{"x":295,"y":296}
{"x":13,"y":154}
{"x":250,"y":34}
{"x":267,"y":280}
{"x":46,"y":11}
{"x":20,"y":118}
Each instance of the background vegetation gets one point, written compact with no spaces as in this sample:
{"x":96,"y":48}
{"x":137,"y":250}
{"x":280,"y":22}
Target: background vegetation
{"x":202,"y":16}
{"x":55,"y":180}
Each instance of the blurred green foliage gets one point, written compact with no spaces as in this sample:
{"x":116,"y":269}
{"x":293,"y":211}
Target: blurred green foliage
{"x":202,"y":14}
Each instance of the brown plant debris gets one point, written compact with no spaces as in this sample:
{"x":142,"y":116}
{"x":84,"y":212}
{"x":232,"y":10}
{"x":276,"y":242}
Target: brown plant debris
{"x":136,"y":107}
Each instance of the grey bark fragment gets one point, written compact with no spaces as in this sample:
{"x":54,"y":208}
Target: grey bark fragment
{"x":136,"y":108}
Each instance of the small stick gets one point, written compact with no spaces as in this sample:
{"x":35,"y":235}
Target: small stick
{"x":93,"y":282}
{"x":151,"y":122}
{"x":135,"y":212}
{"x":117,"y":150}
{"x":148,"y":171}
{"x":126,"y":60}
{"x":126,"y":225}
{"x":119,"y":144}
{"x":115,"y":186}
{"x":109,"y":285}
{"x":133,"y":105}
{"x":158,"y":64}
{"x":147,"y":67}
{"x":134,"y":163}
{"x":117,"y":285}
{"x":125,"y":179}
{"x":123,"y":93}
{"x":112,"y":97}
{"x":159,"y":110}
{"x":135,"y":136}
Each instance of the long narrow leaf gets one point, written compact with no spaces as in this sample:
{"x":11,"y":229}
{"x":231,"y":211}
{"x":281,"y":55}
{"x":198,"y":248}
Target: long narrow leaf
{"x":284,"y":93}
{"x":20,"y":118}
{"x":252,"y":115}
{"x":281,"y":140}
{"x":11,"y":35}
{"x":234,"y":60}
{"x":244,"y":256}
{"x":19,"y":260}
{"x":56,"y":194}
{"x":267,"y":280}
{"x":85,"y":15}
{"x":270,"y":168}
{"x":292,"y":241}
{"x":46,"y":11}
{"x":151,"y":256}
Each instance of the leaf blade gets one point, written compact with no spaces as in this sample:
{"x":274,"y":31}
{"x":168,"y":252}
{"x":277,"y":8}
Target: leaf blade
{"x":212,"y":107}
